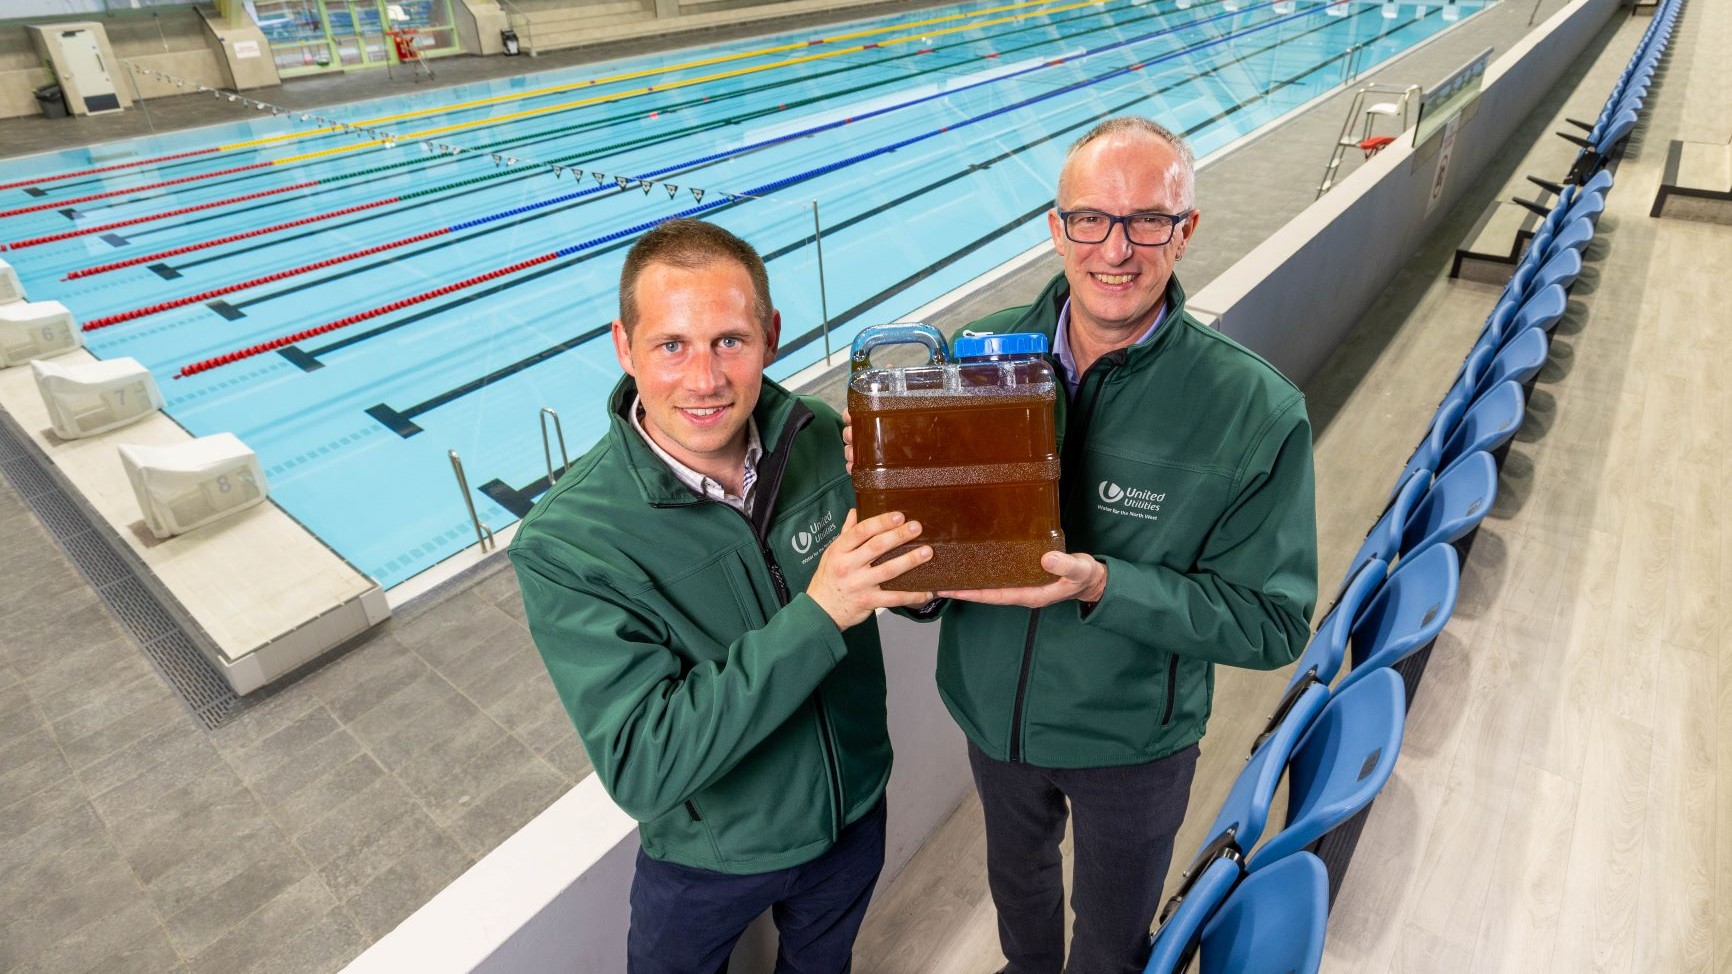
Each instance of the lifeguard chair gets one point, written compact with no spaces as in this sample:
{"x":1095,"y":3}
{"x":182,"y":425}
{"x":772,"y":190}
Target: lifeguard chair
{"x":403,"y":45}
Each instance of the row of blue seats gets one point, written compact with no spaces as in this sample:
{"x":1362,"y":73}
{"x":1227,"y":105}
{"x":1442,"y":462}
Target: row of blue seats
{"x":1256,"y":901}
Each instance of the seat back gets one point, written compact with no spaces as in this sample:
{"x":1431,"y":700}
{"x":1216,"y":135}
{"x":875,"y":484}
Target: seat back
{"x":1273,"y":923}
{"x":1518,"y":361}
{"x":1244,"y":812}
{"x":1340,"y":764}
{"x":1542,"y":311}
{"x":1561,"y":270}
{"x":1577,"y":233}
{"x":1454,"y":506}
{"x":1322,"y":657}
{"x":1490,"y":422}
{"x":1176,"y":940}
{"x":1407,"y":613}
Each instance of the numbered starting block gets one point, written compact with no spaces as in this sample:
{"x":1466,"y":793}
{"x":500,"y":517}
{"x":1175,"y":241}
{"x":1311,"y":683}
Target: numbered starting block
{"x":184,"y":486}
{"x":95,"y":397}
{"x":36,"y":329}
{"x":10,"y":289}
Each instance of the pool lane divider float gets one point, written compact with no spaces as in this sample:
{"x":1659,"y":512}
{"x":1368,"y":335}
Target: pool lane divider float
{"x":623,"y":183}
{"x":534,"y":93}
{"x":330,"y":182}
{"x":765,"y":189}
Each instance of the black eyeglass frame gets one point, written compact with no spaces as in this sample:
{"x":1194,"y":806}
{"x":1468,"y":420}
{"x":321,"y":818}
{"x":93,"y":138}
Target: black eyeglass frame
{"x":1173,"y":221}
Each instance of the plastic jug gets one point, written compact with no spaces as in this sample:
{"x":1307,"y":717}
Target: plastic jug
{"x":966,"y":445}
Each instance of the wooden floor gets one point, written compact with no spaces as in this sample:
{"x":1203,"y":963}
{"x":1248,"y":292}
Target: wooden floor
{"x":1563,"y":801}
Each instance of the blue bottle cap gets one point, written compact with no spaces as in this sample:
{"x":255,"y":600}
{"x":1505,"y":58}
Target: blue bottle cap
{"x":986,"y":346}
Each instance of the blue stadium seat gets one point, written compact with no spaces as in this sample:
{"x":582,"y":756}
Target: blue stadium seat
{"x":1489,"y":423}
{"x":1175,"y":940}
{"x":1339,"y":765}
{"x":1244,"y":812}
{"x":1576,"y":235}
{"x":1560,"y":269}
{"x":1322,"y":657}
{"x":1520,"y":359}
{"x":1407,"y":613}
{"x":1454,"y":506}
{"x":1541,"y":312}
{"x":1273,"y":923}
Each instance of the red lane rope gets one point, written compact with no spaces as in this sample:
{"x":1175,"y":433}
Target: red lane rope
{"x":69,"y":234}
{"x":152,"y":309}
{"x":119,"y":165}
{"x":219,"y":241}
{"x":276,"y":343}
{"x":59,"y":204}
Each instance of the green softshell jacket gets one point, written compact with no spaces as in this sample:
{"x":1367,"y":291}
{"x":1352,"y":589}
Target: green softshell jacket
{"x":721,"y":706}
{"x":1186,"y":468}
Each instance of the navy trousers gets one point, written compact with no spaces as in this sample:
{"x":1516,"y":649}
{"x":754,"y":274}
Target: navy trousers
{"x":1123,"y":822}
{"x":686,"y":920}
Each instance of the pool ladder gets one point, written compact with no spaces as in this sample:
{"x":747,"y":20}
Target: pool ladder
{"x":484,"y":534}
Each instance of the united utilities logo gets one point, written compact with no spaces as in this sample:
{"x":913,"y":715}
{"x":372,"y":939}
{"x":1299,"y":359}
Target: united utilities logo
{"x":802,"y":542}
{"x":1130,"y":501}
{"x":809,"y":542}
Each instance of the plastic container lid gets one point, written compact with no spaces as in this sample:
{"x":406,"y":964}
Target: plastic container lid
{"x":987,"y":346}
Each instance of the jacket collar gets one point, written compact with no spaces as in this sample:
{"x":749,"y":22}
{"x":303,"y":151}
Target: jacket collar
{"x":658,"y":484}
{"x":1042,"y":316}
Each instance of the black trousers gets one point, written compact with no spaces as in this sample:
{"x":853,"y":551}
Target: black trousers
{"x":687,"y":921}
{"x":1124,"y":822}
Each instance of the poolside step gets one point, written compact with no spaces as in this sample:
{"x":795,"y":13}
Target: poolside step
{"x":1697,"y":183}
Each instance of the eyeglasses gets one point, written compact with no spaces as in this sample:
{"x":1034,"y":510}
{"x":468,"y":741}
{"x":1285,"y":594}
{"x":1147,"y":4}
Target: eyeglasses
{"x":1142,"y":229}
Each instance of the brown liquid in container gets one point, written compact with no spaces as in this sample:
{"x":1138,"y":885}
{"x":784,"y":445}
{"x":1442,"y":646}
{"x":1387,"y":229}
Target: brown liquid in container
{"x":974,"y":460}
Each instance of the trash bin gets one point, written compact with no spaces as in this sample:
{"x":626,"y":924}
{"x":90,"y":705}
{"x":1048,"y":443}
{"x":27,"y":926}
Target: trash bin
{"x":52,"y":100}
{"x":508,"y":37}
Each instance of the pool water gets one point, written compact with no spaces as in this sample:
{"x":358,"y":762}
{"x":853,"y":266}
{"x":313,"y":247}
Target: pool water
{"x":355,"y":303}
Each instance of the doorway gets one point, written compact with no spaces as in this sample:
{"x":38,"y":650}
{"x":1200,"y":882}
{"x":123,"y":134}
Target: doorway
{"x":314,"y":36}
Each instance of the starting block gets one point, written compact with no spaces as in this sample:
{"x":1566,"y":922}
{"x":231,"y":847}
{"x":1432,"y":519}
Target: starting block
{"x":10,"y":288}
{"x":36,"y":329}
{"x":190,"y":484}
{"x":95,"y":397}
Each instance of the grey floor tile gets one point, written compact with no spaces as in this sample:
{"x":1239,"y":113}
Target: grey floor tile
{"x":85,"y":675}
{"x":324,"y":946}
{"x":153,"y":954}
{"x":29,"y":763}
{"x":358,"y":822}
{"x":18,"y":722}
{"x":14,"y":696}
{"x":400,"y":890}
{"x":530,"y":702}
{"x":366,"y":677}
{"x":513,"y":666}
{"x":264,"y":716}
{"x":207,"y":918}
{"x":270,"y":756}
{"x":501,"y":590}
{"x":448,"y":792}
{"x":206,"y":865}
{"x":300,"y":809}
{"x":53,"y":856}
{"x":349,"y":871}
{"x":63,"y":910}
{"x":45,"y":590}
{"x":9,"y":677}
{"x":134,"y":779}
{"x":23,"y":813}
{"x":37,"y":637}
{"x":570,"y":759}
{"x":131,"y":934}
{"x":133,"y":714}
{"x":449,"y":634}
{"x":265,"y":933}
{"x":492,"y":819}
{"x":411,"y":719}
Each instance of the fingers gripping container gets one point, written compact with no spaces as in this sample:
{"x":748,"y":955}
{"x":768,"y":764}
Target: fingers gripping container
{"x":966,"y":445}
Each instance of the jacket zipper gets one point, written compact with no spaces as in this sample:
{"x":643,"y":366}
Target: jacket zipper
{"x":769,"y":486}
{"x":1172,"y":690}
{"x":1073,"y":452}
{"x":692,"y":810}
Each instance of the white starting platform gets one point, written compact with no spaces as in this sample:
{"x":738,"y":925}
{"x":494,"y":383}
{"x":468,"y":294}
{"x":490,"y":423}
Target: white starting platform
{"x":260,"y":595}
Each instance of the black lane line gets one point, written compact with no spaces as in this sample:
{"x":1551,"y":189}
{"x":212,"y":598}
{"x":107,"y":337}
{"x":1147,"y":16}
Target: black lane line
{"x":536,"y":138}
{"x":541,"y":356}
{"x":441,"y":243}
{"x":238,"y":178}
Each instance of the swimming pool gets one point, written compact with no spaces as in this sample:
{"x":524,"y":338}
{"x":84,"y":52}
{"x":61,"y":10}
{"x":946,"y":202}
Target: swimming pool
{"x":355,"y":302}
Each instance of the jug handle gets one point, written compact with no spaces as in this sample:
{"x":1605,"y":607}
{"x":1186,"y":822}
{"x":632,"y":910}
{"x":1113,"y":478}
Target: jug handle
{"x":906,"y":333}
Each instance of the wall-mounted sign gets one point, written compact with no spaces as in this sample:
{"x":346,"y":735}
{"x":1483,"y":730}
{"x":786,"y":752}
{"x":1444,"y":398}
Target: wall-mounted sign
{"x":246,"y":49}
{"x":1445,"y":100}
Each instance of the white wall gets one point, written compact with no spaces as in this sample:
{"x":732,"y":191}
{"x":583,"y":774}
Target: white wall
{"x":553,"y":897}
{"x":1294,"y":297}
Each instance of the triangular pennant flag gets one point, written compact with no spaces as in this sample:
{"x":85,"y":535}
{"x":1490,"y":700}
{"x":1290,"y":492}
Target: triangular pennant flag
{"x":577,"y":174}
{"x":622,"y":181}
{"x":599,"y":178}
{"x":646,"y":185}
{"x":511,"y":160}
{"x":697,"y":195}
{"x":496,"y":159}
{"x":673,"y":190}
{"x":556,"y":171}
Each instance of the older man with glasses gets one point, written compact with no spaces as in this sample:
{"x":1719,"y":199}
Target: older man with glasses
{"x":1187,"y":479}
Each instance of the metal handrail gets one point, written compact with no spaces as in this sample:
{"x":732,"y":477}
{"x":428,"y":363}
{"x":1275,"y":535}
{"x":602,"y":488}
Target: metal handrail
{"x":547,"y":446}
{"x":511,"y":11}
{"x":483,"y":533}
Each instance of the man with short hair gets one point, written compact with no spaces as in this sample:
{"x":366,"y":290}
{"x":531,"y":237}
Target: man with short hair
{"x":1186,"y":475}
{"x":696,"y":584}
